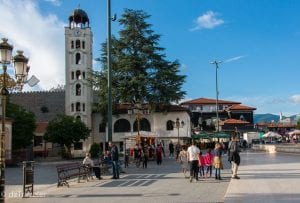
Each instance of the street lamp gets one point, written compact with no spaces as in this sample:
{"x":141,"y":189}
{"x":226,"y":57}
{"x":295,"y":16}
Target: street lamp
{"x":21,"y":73}
{"x":178,"y":124}
{"x":109,"y":73}
{"x":109,"y":108}
{"x":217,"y":92}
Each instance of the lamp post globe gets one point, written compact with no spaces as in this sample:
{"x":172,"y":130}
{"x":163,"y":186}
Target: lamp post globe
{"x":6,"y":82}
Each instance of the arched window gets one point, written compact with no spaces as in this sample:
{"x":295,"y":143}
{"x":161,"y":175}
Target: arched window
{"x":78,"y":75}
{"x":144,"y":125}
{"x":72,"y":44}
{"x":77,"y":106}
{"x":170,"y":125}
{"x":78,"y":89}
{"x":78,"y":117}
{"x":78,"y":58}
{"x":122,"y":125}
{"x":72,"y":107}
{"x":83,"y":44}
{"x":77,"y":44}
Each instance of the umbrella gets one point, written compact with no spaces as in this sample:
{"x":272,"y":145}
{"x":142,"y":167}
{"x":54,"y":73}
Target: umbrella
{"x":294,"y":132}
{"x":271,"y":134}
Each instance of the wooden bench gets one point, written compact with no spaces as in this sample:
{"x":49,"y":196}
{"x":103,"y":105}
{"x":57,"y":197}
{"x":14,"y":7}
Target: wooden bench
{"x":71,"y":170}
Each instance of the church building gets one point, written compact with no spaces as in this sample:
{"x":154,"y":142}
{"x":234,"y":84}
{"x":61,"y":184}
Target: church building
{"x":77,"y":98}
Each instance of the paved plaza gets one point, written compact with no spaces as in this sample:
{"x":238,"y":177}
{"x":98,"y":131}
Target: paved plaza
{"x":264,"y":178}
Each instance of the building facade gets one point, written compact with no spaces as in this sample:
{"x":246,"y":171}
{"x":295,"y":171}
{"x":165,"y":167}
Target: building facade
{"x":232,"y":115}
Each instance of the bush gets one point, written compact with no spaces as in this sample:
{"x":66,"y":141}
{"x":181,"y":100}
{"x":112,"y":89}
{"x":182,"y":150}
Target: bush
{"x":95,"y":150}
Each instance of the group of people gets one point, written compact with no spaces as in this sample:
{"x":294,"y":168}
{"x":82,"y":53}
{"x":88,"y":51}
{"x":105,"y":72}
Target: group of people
{"x":111,"y":157}
{"x":141,"y":153}
{"x":194,"y":159}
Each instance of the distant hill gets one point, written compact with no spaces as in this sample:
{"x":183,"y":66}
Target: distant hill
{"x":265,"y":118}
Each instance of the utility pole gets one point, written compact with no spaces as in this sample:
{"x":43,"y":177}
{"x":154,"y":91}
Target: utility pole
{"x":217,"y":92}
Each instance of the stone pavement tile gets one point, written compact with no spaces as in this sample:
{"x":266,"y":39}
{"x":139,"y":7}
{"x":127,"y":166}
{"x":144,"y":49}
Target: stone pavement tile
{"x":266,"y":178}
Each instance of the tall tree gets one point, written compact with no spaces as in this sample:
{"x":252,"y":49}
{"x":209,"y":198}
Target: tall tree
{"x":66,"y":130}
{"x":23,"y":126}
{"x":140,"y":70}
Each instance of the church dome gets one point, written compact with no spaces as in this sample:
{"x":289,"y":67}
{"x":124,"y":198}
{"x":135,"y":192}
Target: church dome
{"x":79,"y":16}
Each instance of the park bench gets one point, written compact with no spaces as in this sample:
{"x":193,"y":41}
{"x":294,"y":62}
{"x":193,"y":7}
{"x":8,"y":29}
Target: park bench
{"x":68,"y":171}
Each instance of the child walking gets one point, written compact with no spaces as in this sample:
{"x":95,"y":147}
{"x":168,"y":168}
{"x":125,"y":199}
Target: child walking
{"x":218,"y":161}
{"x":201,"y":165}
{"x":208,"y":159}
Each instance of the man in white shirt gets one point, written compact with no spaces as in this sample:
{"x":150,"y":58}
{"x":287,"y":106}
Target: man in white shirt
{"x":193,"y":158}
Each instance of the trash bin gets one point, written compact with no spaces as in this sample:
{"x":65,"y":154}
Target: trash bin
{"x":28,"y":177}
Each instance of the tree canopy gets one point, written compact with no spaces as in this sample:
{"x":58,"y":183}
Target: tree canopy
{"x":140,"y":70}
{"x":66,"y":130}
{"x":23,"y":126}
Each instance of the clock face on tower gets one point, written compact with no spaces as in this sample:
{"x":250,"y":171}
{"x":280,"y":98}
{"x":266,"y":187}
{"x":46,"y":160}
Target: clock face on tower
{"x":77,"y":32}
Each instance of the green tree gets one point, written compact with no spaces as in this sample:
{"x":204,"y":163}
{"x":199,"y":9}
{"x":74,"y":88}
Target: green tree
{"x":140,"y":70}
{"x":66,"y":130}
{"x":23,"y":126}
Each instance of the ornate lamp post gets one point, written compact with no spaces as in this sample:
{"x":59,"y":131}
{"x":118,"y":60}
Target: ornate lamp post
{"x":178,"y":124}
{"x":138,"y":110}
{"x":6,"y":82}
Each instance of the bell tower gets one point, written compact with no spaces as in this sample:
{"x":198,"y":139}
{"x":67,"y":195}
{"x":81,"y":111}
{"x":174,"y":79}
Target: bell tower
{"x":78,"y":65}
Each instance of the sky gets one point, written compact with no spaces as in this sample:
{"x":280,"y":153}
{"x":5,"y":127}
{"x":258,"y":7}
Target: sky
{"x":257,"y":41}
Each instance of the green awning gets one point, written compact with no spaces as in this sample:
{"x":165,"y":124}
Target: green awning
{"x":202,"y":135}
{"x":221,"y":135}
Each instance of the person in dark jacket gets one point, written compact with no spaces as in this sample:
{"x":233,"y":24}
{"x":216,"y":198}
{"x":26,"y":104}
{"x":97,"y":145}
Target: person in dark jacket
{"x":114,"y":153}
{"x":234,"y":156}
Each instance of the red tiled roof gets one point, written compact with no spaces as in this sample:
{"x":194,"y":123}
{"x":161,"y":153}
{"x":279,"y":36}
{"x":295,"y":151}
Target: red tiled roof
{"x":241,"y":107}
{"x":234,"y":121}
{"x":209,"y":101}
{"x":41,"y":127}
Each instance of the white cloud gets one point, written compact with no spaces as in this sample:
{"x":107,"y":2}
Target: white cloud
{"x":41,"y":38}
{"x":208,"y":20}
{"x":235,"y":58}
{"x":54,"y":2}
{"x":295,"y":98}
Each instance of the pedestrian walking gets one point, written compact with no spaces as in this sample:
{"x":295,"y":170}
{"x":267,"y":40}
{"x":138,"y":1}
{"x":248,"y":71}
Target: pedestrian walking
{"x":201,"y":164}
{"x":234,"y":156}
{"x":183,"y":160}
{"x":218,"y":161}
{"x":114,"y":153}
{"x":171,"y":149}
{"x":177,"y":148}
{"x":145,"y":155}
{"x":193,"y":152}
{"x":208,"y":159}
{"x":158,"y":154}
